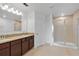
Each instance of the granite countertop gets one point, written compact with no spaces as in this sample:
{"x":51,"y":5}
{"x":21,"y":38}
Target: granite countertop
{"x":12,"y":38}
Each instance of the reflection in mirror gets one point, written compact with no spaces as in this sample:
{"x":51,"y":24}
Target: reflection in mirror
{"x":17,"y":25}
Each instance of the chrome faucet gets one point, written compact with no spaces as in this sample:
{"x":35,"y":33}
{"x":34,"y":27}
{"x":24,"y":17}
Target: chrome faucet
{"x":2,"y":36}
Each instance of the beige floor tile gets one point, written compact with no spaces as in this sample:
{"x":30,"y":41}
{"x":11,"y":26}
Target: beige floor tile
{"x":47,"y":50}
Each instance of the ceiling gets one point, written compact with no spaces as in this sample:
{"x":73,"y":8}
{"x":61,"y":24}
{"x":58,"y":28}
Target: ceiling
{"x":64,"y":9}
{"x":17,"y":6}
{"x":57,"y":9}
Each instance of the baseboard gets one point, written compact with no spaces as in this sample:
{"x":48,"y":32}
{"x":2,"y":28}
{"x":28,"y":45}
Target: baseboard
{"x":43,"y":43}
{"x":67,"y":46}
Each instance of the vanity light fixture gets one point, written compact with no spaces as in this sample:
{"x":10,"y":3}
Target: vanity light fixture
{"x":6,"y":7}
{"x":14,"y":11}
{"x":3,"y":8}
{"x":9,"y":10}
{"x":20,"y":13}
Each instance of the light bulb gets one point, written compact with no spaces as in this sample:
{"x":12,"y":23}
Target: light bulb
{"x":5,"y":7}
{"x":12,"y":9}
{"x":20,"y":13}
{"x":15,"y":12}
{"x":9,"y":10}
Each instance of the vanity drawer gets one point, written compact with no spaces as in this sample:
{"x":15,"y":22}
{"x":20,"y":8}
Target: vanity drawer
{"x":4,"y":45}
{"x":16,"y":42}
{"x":31,"y":43}
{"x":25,"y":39}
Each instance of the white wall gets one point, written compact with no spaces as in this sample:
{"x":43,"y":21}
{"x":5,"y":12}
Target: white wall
{"x":28,"y":21}
{"x":43,"y":29}
{"x":31,"y":22}
{"x":24,"y":23}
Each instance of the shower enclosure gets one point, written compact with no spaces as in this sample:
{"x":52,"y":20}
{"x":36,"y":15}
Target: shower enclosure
{"x":64,"y":33}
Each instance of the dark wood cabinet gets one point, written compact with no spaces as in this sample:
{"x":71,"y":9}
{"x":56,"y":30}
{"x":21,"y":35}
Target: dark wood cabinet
{"x":5,"y":49}
{"x":25,"y":45}
{"x":31,"y":42}
{"x":16,"y":48}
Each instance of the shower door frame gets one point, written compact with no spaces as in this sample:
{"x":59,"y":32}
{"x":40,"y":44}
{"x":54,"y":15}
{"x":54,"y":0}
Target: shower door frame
{"x":64,"y":43}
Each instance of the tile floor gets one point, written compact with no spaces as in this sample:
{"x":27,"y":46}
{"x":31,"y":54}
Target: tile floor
{"x":47,"y":50}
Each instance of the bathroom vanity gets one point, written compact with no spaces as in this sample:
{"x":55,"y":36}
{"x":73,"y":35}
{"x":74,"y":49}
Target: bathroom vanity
{"x":16,"y":45}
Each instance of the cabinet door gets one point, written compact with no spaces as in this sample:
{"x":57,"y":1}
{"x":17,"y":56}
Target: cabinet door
{"x":31,"y":42}
{"x":5,"y":49}
{"x":25,"y":45}
{"x":16,"y":48}
{"x":5,"y":52}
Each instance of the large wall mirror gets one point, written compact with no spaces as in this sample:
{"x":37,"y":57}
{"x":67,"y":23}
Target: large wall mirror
{"x":10,"y":22}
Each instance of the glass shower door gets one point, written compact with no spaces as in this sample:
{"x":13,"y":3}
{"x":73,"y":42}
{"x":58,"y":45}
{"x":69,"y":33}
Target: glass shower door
{"x":59,"y":30}
{"x":63,"y":31}
{"x":69,"y":40}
